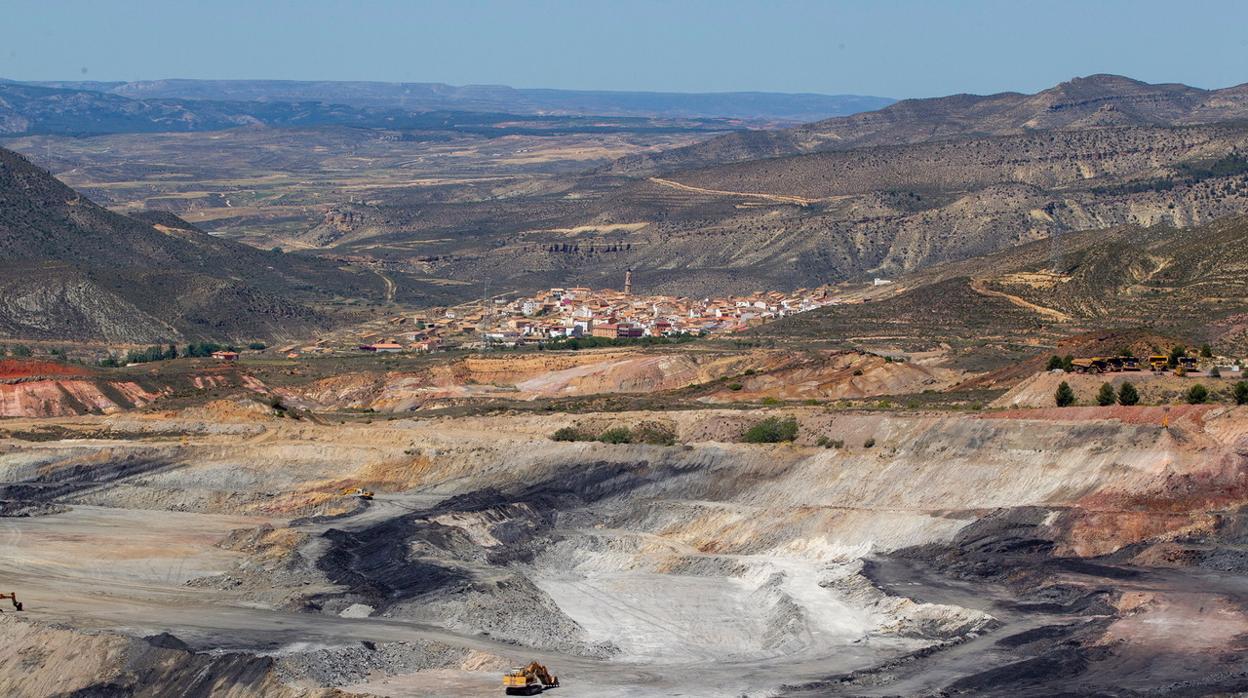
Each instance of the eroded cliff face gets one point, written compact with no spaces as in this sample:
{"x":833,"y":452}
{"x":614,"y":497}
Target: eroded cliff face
{"x":51,"y":389}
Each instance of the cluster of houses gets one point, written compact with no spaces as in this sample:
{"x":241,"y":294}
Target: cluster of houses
{"x":563,"y":313}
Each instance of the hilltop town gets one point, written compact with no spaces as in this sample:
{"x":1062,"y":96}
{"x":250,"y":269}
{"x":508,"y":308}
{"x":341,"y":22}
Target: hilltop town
{"x":577,"y":312}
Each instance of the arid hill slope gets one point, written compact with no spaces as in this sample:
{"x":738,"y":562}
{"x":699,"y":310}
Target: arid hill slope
{"x":811,"y":219}
{"x":73,"y":270}
{"x":1189,"y":283}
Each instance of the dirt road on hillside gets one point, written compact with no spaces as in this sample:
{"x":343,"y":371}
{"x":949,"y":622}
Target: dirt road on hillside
{"x":778,"y":198}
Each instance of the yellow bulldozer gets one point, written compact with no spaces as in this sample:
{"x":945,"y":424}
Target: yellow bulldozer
{"x":528,"y":680}
{"x":12,"y":596}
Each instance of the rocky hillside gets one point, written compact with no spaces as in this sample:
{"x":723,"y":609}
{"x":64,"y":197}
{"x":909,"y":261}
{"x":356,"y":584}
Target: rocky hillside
{"x":810,"y":219}
{"x":1092,"y":102}
{"x":73,"y":270}
{"x":1186,"y":284}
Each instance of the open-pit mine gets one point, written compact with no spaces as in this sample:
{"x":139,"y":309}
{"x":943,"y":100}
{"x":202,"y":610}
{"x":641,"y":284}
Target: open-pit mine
{"x":318,"y":389}
{"x":375,"y":533}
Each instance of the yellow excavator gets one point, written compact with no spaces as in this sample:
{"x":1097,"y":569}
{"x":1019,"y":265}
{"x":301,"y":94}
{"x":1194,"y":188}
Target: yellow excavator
{"x":528,"y":680}
{"x":358,"y":492}
{"x":12,"y":596}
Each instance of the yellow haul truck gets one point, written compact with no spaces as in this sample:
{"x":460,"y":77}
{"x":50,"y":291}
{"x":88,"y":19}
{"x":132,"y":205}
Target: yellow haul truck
{"x":1095,"y":364}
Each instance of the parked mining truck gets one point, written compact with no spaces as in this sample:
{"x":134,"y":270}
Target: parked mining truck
{"x":12,"y":596}
{"x":1095,"y":364}
{"x":528,"y":680}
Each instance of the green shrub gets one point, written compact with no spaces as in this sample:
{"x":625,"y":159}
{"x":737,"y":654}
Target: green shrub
{"x":869,"y":443}
{"x":1240,"y":393}
{"x":735,"y":386}
{"x":1197,"y":395}
{"x":1215,"y":372}
{"x":1128,"y":395}
{"x":567,"y":434}
{"x":1055,"y":363}
{"x":654,"y":433}
{"x":1105,"y":396}
{"x":616,"y":435}
{"x":1177,"y":352}
{"x":1064,"y":397}
{"x":771,"y":430}
{"x":771,"y":401}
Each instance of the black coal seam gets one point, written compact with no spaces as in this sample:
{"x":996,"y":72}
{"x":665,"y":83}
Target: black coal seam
{"x":1045,"y":632}
{"x":65,"y":482}
{"x":375,"y":562}
{"x":164,"y":665}
{"x":1009,"y":545}
{"x":1058,"y":666}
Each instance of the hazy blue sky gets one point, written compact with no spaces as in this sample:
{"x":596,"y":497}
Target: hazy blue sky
{"x":896,"y":49}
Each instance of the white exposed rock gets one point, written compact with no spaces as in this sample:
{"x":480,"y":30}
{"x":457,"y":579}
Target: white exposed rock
{"x":357,"y":610}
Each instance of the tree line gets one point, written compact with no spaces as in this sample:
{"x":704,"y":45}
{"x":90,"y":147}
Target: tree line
{"x":1127,"y":395}
{"x":171,"y":351}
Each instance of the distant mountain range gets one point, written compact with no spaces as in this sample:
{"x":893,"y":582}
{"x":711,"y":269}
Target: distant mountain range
{"x":1081,"y":103}
{"x":38,"y":110}
{"x":201,"y":105}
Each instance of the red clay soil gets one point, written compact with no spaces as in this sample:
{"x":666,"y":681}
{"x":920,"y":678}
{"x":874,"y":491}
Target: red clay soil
{"x":20,"y":368}
{"x":1223,"y":488}
{"x":1100,"y":532}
